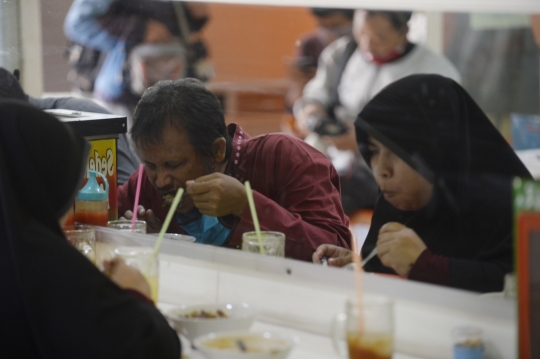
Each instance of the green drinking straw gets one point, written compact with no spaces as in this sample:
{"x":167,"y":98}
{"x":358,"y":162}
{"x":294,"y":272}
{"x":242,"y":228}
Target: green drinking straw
{"x":164,"y":227}
{"x":251,"y":202}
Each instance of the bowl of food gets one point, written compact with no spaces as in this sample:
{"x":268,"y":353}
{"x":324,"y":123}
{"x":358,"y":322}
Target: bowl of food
{"x":177,"y":237}
{"x":193,"y":321}
{"x":243,"y":344}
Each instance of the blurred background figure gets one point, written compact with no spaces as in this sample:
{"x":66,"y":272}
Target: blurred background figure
{"x":350,"y":72}
{"x":331,"y":25}
{"x":10,"y":88}
{"x":108,"y":30}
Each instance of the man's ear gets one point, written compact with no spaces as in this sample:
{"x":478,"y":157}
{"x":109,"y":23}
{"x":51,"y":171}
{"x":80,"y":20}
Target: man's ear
{"x":219,"y":149}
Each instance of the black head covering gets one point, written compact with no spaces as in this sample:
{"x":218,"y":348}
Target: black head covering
{"x":54,"y":302}
{"x":432,"y":124}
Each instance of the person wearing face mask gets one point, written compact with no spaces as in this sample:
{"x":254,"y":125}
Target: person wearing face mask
{"x":351,"y":71}
{"x":444,"y":213}
{"x":180,"y":134}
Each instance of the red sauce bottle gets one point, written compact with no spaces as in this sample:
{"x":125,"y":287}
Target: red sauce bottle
{"x":92,"y":203}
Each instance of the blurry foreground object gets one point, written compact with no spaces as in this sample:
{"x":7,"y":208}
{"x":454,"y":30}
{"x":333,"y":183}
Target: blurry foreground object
{"x":49,"y":307}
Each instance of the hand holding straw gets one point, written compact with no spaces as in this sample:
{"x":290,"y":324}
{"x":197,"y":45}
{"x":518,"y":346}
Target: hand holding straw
{"x":251,"y":202}
{"x":137,"y":194}
{"x":358,"y":279}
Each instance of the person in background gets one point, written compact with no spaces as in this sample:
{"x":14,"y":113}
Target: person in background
{"x":444,"y":214}
{"x":331,"y":25}
{"x":55,"y":303}
{"x":10,"y":88}
{"x":356,"y":68}
{"x":180,"y":135}
{"x":115,"y":27}
{"x":351,"y":71}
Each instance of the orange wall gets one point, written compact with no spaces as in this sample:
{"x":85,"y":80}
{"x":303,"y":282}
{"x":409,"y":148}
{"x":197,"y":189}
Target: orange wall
{"x":250,"y":41}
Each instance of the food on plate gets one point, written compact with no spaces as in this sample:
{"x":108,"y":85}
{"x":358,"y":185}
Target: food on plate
{"x":206,"y":314}
{"x":249,"y":344}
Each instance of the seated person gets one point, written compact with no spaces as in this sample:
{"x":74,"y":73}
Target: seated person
{"x":55,"y":302}
{"x":180,"y":135}
{"x":444,"y":213}
{"x":331,"y":25}
{"x":355,"y":68}
{"x":10,"y":88}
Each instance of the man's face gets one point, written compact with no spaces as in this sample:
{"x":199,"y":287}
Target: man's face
{"x":172,"y":162}
{"x":377,"y":36}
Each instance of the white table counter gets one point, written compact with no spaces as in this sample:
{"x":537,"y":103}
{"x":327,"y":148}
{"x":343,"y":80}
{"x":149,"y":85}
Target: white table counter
{"x":301,"y":299}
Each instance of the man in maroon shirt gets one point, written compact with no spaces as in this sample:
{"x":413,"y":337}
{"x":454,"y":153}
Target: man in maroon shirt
{"x":180,"y":135}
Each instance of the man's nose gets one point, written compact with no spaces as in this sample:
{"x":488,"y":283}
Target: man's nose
{"x":163,"y":179}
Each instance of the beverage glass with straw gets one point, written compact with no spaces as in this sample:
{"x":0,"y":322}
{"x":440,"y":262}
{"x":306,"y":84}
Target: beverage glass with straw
{"x":253,"y":211}
{"x":367,"y":321}
{"x":168,"y":219}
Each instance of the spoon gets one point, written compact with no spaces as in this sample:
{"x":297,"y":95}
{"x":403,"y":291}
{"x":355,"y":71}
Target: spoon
{"x":371,"y":255}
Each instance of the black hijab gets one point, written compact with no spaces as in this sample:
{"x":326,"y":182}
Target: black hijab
{"x":432,"y":124}
{"x":54,"y":302}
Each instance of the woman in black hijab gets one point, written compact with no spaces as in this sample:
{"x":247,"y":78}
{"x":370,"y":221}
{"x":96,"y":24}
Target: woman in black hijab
{"x":54,"y":302}
{"x":444,"y":214}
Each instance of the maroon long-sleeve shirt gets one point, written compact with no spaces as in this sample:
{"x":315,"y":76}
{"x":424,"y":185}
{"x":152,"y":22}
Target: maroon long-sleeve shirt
{"x":295,"y":187}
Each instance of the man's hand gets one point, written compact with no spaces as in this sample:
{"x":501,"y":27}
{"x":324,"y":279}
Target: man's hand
{"x":399,"y":247}
{"x":337,"y":256}
{"x":126,"y":277}
{"x":218,"y":195}
{"x":156,"y":32}
{"x":153,"y":224}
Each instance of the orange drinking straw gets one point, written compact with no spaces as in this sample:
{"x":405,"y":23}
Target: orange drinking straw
{"x":137,"y":194}
{"x":358,"y":280}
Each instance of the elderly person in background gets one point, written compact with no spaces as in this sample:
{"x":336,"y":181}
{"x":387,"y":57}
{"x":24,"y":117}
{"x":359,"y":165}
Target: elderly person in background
{"x":181,"y":137}
{"x":444,"y":214}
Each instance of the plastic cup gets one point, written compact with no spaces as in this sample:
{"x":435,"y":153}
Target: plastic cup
{"x":468,"y":343}
{"x":83,"y":238}
{"x":143,"y":259}
{"x":376,"y":339}
{"x":125,"y":225}
{"x":273,"y":243}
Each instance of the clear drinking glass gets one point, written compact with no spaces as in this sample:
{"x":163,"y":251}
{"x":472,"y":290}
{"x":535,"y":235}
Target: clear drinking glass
{"x":376,"y":337}
{"x":125,"y":225}
{"x":83,"y":238}
{"x":143,"y":259}
{"x":273,"y":243}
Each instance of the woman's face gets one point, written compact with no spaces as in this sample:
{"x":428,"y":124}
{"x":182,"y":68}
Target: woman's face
{"x":402,"y":186}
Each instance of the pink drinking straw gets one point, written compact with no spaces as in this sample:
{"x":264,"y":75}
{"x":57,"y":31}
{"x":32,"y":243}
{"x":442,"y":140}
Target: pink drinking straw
{"x":137,"y":193}
{"x":358,"y":280}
